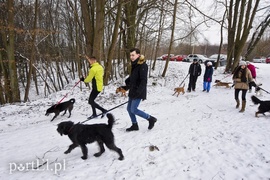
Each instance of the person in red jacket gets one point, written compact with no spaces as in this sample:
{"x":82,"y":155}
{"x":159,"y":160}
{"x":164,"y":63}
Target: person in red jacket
{"x":252,"y":69}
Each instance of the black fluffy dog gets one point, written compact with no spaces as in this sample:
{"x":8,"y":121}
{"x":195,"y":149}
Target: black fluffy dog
{"x":57,"y":108}
{"x":81,"y":134}
{"x":264,"y":105}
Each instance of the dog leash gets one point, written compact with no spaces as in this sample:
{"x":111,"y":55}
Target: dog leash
{"x":106,"y":112}
{"x":263,"y":89}
{"x":184,"y":80}
{"x":225,"y":77}
{"x":67,"y":93}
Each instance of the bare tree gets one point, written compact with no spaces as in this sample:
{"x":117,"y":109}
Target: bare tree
{"x":171,"y":41}
{"x":240,"y":18}
{"x":257,"y":35}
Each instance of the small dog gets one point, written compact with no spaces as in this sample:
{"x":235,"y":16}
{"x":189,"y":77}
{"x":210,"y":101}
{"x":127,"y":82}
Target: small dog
{"x":57,"y":108}
{"x":258,"y":90}
{"x":178,"y":90}
{"x":219,"y":83}
{"x":81,"y":134}
{"x":264,"y":105}
{"x":121,"y":90}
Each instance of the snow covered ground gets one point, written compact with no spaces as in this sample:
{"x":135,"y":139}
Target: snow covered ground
{"x":198,"y":135}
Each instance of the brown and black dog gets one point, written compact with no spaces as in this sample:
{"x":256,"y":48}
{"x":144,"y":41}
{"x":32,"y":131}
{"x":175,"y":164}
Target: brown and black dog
{"x":219,"y":83}
{"x":57,"y":108}
{"x":179,"y":90}
{"x":81,"y":134}
{"x":121,"y":90}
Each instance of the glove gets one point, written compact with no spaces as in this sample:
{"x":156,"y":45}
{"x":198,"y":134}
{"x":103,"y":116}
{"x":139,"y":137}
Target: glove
{"x":124,"y":87}
{"x":82,"y":78}
{"x":253,"y":84}
{"x":208,"y":79}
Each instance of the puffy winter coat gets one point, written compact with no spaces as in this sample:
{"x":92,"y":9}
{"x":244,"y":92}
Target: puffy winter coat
{"x":252,"y":70}
{"x":95,"y":75}
{"x":137,"y":81}
{"x":241,"y":78}
{"x":207,"y":77}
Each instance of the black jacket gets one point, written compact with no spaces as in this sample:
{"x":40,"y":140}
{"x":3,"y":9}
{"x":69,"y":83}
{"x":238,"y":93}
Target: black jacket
{"x":137,"y":81}
{"x":195,"y":69}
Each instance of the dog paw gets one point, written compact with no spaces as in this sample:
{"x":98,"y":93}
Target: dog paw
{"x":66,"y":152}
{"x":97,"y":154}
{"x":121,"y":158}
{"x":84,"y":157}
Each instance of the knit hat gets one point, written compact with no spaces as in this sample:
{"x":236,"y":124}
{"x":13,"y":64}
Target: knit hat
{"x":209,"y":63}
{"x":247,"y":62}
{"x":242,"y":63}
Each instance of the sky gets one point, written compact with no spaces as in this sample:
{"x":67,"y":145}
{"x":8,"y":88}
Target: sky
{"x":198,"y":135}
{"x":210,"y":31}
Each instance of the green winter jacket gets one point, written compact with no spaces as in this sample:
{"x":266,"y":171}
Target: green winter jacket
{"x":95,"y":75}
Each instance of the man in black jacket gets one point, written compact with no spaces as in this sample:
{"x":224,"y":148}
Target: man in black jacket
{"x":194,"y":71}
{"x":136,"y":83}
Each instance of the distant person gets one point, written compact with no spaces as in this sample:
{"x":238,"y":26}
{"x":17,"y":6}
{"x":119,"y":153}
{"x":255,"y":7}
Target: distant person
{"x":207,"y":77}
{"x":96,"y":76}
{"x":137,"y":85}
{"x":241,"y":77}
{"x":194,"y":71}
{"x":252,"y":69}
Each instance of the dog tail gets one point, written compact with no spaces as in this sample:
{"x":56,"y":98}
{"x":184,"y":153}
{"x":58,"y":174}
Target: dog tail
{"x":255,"y":100}
{"x":110,"y":120}
{"x":72,"y":100}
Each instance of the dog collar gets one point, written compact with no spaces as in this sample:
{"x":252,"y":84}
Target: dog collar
{"x":70,"y":129}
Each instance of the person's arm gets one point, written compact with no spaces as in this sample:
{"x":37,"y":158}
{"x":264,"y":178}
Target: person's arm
{"x":90,"y":76}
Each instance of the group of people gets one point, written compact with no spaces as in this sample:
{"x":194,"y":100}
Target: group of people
{"x":136,"y":83}
{"x":243,"y":78}
{"x":195,"y":71}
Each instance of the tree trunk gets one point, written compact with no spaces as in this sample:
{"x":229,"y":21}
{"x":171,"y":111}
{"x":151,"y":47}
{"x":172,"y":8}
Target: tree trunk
{"x":14,"y":91}
{"x":30,"y":72}
{"x":172,"y":38}
{"x":99,"y":29}
{"x":108,"y":67}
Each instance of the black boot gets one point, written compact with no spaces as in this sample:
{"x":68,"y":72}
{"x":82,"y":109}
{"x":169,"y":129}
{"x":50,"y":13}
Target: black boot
{"x":152,"y":120}
{"x":134,"y":127}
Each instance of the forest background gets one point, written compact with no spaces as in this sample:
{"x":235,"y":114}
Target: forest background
{"x":42,"y":43}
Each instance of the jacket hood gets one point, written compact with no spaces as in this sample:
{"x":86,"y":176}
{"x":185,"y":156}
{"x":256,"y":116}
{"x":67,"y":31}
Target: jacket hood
{"x":141,"y":60}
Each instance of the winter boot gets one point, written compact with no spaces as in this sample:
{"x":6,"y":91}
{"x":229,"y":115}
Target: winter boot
{"x":152,"y":120}
{"x":243,"y":106}
{"x":134,"y":127}
{"x":237,"y":103}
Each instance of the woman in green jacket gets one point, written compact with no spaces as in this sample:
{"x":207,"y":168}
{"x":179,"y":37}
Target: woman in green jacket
{"x":96,"y":77}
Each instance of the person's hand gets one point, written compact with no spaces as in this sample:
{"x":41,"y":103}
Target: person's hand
{"x":253,"y":84}
{"x":82,"y":78}
{"x":208,"y":79}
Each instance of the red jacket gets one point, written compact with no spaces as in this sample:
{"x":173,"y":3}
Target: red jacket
{"x":252,"y":70}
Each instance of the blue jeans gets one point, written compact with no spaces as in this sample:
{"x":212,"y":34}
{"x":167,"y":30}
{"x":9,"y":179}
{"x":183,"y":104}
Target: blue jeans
{"x":206,"y":86}
{"x":133,"y":110}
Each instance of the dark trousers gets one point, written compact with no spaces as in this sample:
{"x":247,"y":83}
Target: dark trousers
{"x":94,"y":93}
{"x":236,"y":94}
{"x":192,"y":82}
